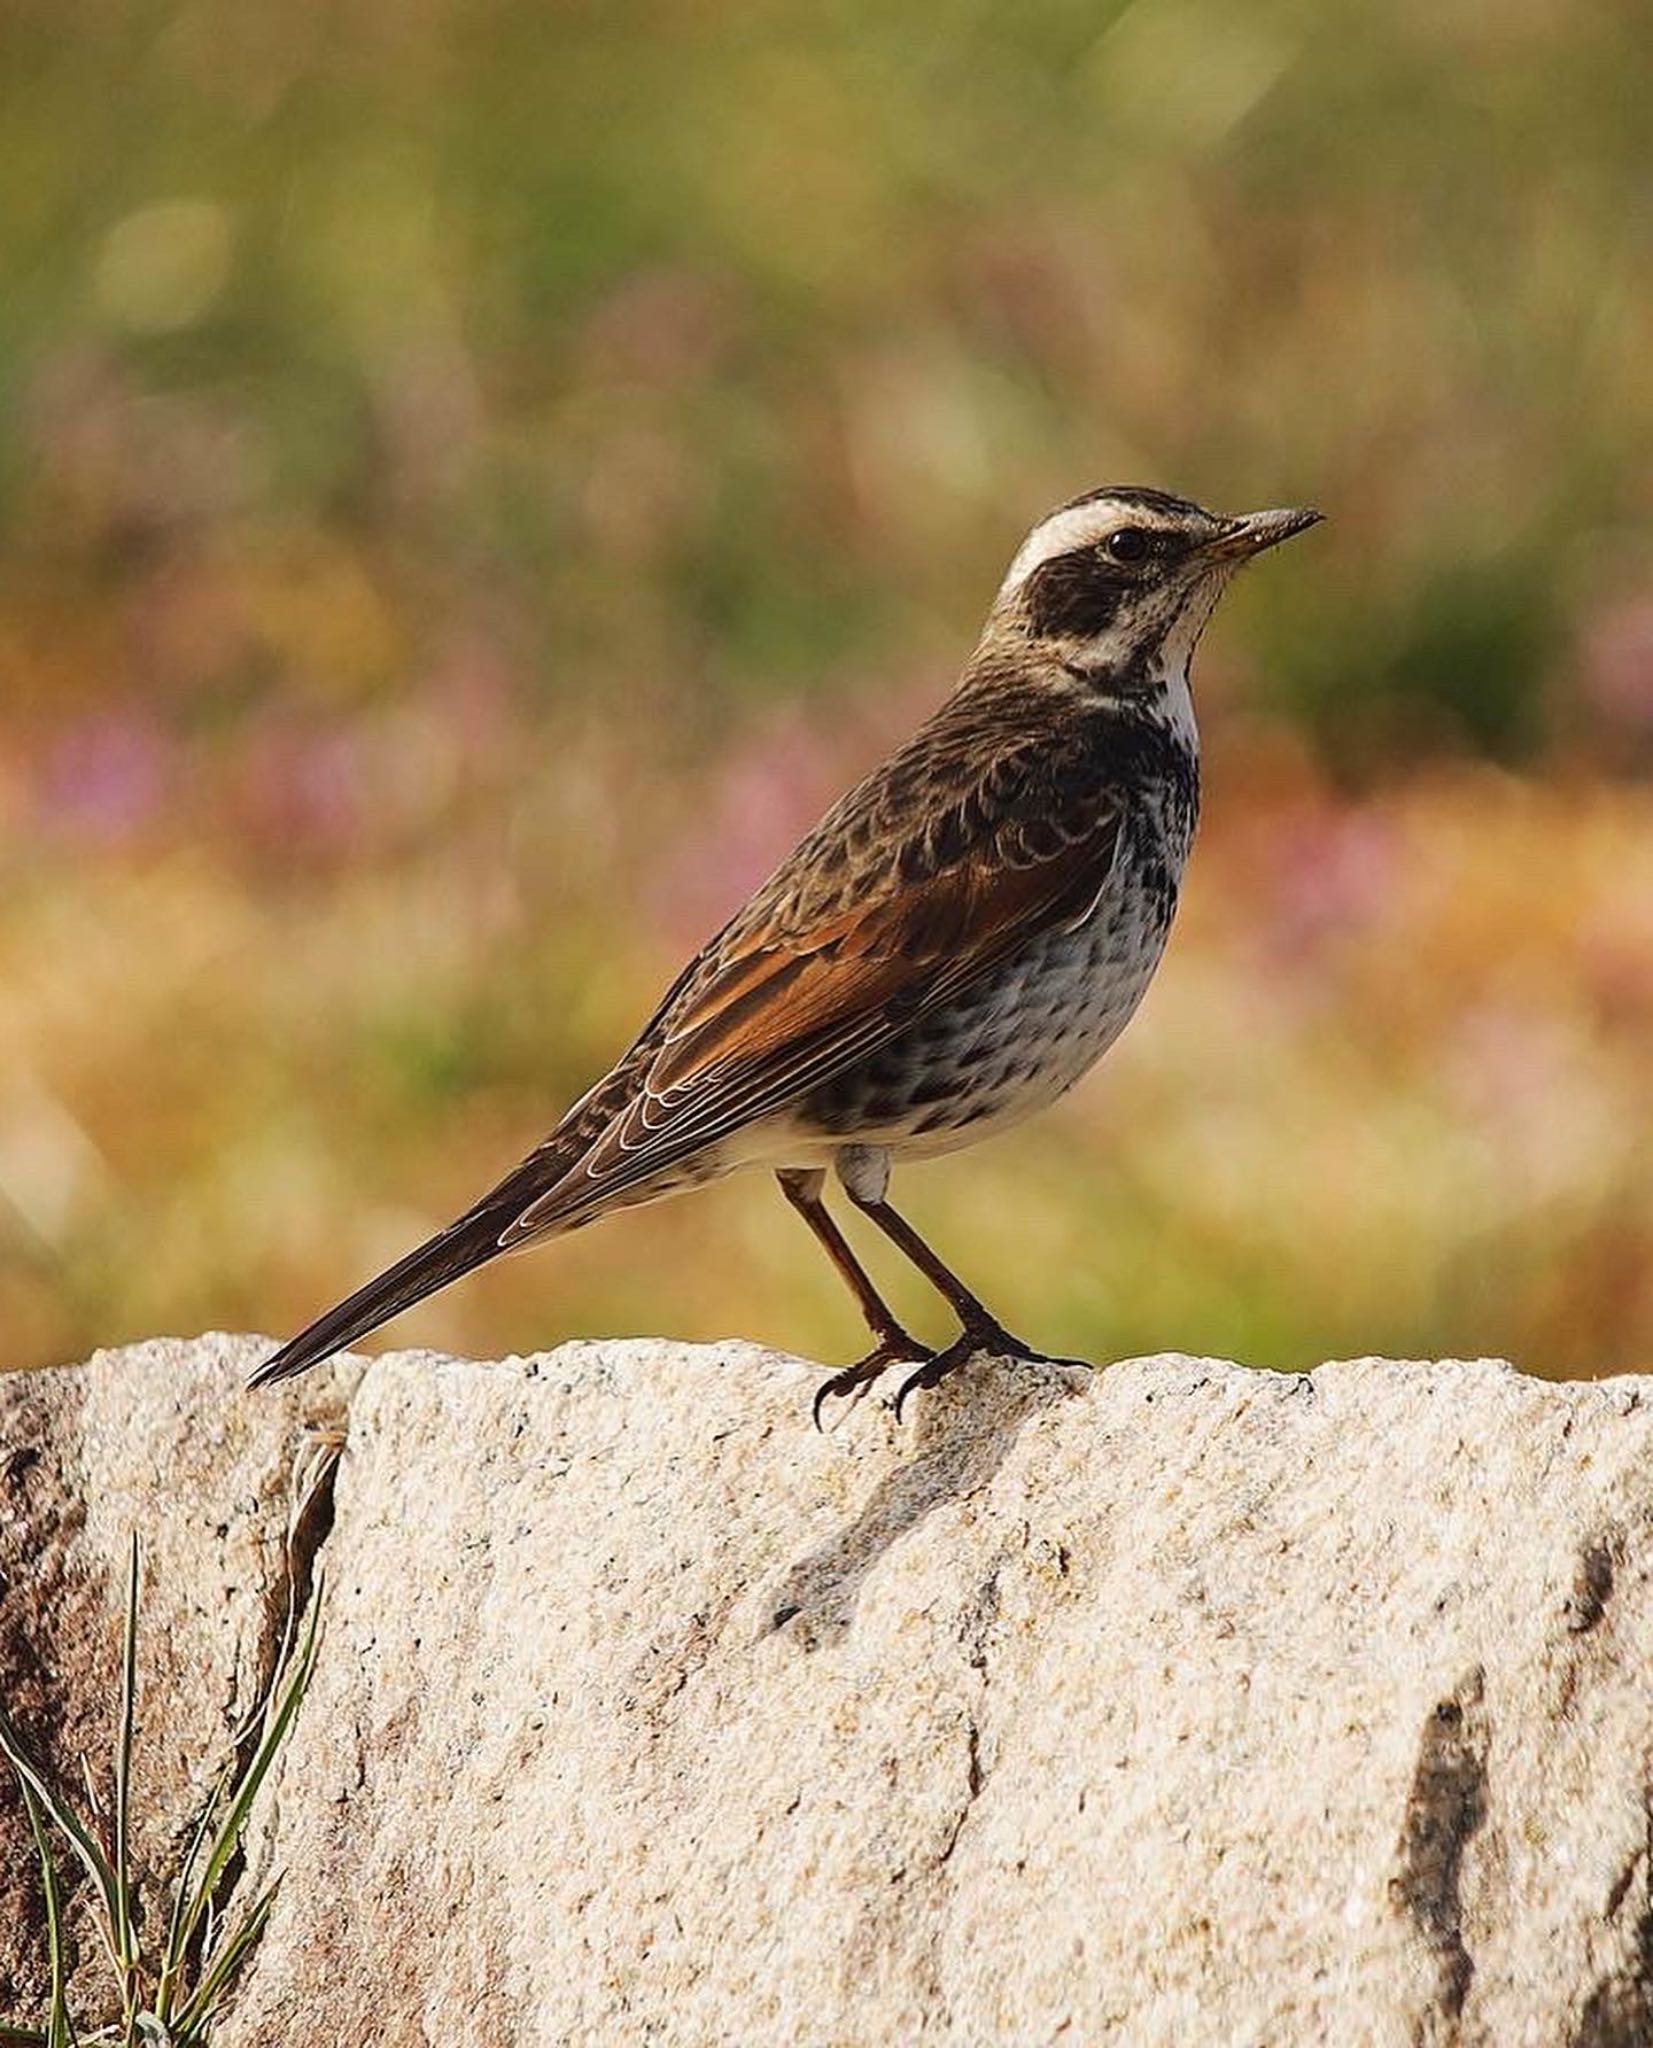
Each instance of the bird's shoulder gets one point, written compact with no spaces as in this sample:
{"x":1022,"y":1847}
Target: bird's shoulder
{"x":1000,"y":814}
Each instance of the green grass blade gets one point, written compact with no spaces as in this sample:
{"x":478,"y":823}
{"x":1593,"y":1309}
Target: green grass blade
{"x":58,"y":2032}
{"x":198,"y":2014}
{"x":274,"y":1733}
{"x":62,"y":1815}
{"x":175,"y":1956}
{"x":126,"y":1937}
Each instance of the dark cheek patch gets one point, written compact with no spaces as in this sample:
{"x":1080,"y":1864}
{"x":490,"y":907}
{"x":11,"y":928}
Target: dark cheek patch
{"x":1076,"y":594}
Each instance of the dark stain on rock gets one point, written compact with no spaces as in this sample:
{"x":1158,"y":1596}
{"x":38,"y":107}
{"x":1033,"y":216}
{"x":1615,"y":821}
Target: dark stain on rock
{"x":1592,"y":1585}
{"x":1446,"y":1806}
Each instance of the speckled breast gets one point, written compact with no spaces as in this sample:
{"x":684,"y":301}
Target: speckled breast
{"x":1025,"y":1032}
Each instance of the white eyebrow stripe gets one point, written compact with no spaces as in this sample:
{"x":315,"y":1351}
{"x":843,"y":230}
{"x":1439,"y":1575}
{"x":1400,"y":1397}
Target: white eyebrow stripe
{"x":1069,"y":528}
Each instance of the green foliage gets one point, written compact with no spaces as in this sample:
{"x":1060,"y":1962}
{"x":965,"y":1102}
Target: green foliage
{"x":168,"y":1998}
{"x":731,"y":346}
{"x":475,"y":480}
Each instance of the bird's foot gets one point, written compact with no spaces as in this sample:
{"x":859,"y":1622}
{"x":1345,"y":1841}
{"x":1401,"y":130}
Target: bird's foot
{"x":853,"y":1382}
{"x":983,"y":1339}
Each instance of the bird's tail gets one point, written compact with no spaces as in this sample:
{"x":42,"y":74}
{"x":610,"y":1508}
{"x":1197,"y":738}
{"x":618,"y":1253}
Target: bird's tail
{"x":482,"y":1233}
{"x":463,"y":1246}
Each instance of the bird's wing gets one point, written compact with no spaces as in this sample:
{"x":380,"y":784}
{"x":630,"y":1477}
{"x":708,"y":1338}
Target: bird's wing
{"x":793,"y":994}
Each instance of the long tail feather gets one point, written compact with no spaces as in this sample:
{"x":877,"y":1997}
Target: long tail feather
{"x":473,"y":1240}
{"x":464,"y":1245}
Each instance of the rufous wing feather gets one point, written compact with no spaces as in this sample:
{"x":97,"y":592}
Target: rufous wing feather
{"x":785,"y":1010}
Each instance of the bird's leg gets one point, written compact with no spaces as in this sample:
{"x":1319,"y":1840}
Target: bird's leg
{"x":971,"y":1311}
{"x":982,"y":1331}
{"x":803,"y":1191}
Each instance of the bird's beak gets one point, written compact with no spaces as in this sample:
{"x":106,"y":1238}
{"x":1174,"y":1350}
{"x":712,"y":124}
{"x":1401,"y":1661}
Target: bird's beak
{"x":1242,"y":538}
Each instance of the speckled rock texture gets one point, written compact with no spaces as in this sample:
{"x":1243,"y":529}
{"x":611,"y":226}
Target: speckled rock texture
{"x":1177,"y":1704}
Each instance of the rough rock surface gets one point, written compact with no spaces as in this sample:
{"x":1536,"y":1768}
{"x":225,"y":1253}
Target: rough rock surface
{"x":1179,"y":1704}
{"x":154,"y":1441}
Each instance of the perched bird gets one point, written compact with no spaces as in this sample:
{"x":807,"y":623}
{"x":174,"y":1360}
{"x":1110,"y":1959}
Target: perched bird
{"x":955,"y":943}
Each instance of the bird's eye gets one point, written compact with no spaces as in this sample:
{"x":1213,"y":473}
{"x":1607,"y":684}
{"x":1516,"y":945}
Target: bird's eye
{"x":1129,"y":544}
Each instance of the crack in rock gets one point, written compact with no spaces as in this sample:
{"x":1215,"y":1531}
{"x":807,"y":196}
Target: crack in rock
{"x":291,"y":1588}
{"x":1619,"y":2010}
{"x":974,"y":1779}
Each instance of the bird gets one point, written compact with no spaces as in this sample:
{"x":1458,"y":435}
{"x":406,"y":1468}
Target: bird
{"x":957,"y":941}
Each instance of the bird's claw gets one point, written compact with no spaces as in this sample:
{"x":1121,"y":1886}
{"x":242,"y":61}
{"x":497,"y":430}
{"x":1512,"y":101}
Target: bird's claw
{"x":987,"y":1340}
{"x":855,"y":1380}
{"x":934,"y":1370}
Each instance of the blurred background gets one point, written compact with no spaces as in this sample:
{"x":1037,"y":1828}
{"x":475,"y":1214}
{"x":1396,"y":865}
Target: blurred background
{"x":477,"y":476}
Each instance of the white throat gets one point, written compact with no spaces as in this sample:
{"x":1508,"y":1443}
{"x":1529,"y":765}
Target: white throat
{"x":1175,"y":700}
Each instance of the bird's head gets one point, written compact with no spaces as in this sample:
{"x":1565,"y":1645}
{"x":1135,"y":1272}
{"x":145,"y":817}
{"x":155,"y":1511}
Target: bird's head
{"x":1125,"y":579}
